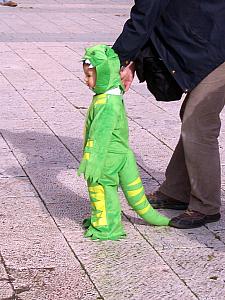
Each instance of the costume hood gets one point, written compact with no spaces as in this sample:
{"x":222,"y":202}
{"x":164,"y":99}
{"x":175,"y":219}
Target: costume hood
{"x":107,"y":65}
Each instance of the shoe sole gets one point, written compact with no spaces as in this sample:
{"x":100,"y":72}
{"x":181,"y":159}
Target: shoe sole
{"x":206,"y":221}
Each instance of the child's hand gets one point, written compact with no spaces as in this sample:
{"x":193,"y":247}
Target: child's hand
{"x":92,"y":171}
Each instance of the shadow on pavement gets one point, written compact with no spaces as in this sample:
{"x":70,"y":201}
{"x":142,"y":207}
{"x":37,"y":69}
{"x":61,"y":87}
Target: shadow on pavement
{"x":52,"y":170}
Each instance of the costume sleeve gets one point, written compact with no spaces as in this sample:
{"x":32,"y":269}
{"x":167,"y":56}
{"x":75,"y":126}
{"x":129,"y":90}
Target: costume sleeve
{"x":137,"y":30}
{"x":106,"y":115}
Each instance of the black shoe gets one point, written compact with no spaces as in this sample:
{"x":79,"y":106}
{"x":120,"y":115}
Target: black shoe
{"x":192,"y":219}
{"x":161,"y":201}
{"x":9,"y":3}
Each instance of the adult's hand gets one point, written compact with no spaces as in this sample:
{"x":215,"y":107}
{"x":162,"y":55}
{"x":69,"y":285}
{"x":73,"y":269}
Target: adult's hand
{"x":127,"y":75}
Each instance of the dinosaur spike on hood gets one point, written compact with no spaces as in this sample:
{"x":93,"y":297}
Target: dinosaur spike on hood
{"x":107,"y":65}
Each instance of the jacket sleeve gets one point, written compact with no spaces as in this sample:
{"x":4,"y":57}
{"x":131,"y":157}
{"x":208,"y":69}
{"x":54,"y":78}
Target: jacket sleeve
{"x":100,"y":135}
{"x":137,"y":30}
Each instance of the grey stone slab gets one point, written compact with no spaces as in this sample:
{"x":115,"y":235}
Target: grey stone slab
{"x":16,"y":187}
{"x":69,"y":215}
{"x":16,"y":109}
{"x":59,"y":37}
{"x":170,"y":238}
{"x":130,"y":270}
{"x":220,"y":225}
{"x":64,"y":56}
{"x":219,"y":235}
{"x":39,"y":98}
{"x":43,"y":250}
{"x":35,"y":240}
{"x":158,"y":121}
{"x":5,"y":87}
{"x":4,"y":48}
{"x":3,"y":273}
{"x":32,"y":123}
{"x":37,"y":147}
{"x":12,"y":98}
{"x":26,"y":79}
{"x":53,"y":283}
{"x":31,"y":208}
{"x":151,"y":154}
{"x":57,"y":183}
{"x":6,"y":290}
{"x":10,"y":167}
{"x":201,"y":269}
{"x":82,"y":100}
{"x":45,"y":102}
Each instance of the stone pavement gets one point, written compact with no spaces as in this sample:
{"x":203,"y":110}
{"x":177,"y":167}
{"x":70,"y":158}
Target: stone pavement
{"x":43,"y":254}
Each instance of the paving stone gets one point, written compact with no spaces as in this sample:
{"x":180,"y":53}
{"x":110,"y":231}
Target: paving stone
{"x":10,"y":167}
{"x":81,"y":100}
{"x":6,"y":290}
{"x":47,"y":101}
{"x":170,"y":238}
{"x":130,"y":270}
{"x":35,"y":241}
{"x":201,"y":269}
{"x":220,"y":225}
{"x":32,"y":147}
{"x":53,"y":283}
{"x":25,"y":78}
{"x":57,"y":183}
{"x":29,"y":124}
{"x":16,"y":187}
{"x":144,"y":144}
{"x":64,"y":56}
{"x":69,"y":217}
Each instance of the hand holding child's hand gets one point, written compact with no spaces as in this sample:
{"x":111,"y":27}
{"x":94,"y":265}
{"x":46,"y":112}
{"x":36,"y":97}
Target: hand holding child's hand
{"x":127,"y":75}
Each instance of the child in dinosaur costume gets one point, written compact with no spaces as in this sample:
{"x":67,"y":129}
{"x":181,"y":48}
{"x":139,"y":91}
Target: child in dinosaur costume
{"x":107,"y":159}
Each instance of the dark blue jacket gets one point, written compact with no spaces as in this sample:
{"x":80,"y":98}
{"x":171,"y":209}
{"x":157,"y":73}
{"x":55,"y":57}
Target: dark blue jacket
{"x":188,"y":35}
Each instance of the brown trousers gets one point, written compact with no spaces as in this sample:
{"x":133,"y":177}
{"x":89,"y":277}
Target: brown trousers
{"x":193,"y":174}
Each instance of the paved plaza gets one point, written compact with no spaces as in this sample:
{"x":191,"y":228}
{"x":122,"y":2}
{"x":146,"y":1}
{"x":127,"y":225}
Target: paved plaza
{"x":43,"y":254}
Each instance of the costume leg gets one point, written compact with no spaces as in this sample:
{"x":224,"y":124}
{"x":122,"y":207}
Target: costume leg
{"x":105,"y":222}
{"x":133,"y":189}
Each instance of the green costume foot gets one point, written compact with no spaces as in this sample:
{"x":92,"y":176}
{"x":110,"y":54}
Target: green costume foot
{"x":101,"y":234}
{"x":86,"y":223}
{"x":104,"y":224}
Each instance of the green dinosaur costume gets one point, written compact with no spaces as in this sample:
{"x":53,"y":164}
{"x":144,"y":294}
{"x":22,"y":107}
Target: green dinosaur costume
{"x":107,"y":159}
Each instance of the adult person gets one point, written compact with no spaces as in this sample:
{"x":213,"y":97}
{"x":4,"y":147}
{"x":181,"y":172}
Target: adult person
{"x":8,"y":3}
{"x":189,"y":37}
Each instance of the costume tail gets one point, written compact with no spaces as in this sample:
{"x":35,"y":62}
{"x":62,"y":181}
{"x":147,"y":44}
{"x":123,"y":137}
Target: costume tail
{"x":136,"y":198}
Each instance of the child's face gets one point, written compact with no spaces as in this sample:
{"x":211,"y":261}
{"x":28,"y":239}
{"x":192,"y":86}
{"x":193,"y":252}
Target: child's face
{"x":90,"y":76}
